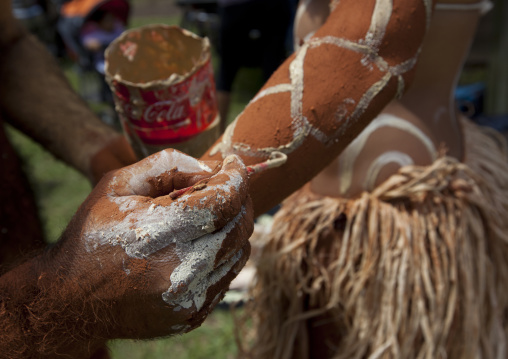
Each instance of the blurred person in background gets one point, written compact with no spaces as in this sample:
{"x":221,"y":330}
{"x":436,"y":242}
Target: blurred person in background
{"x":100,"y":29}
{"x":252,"y":33}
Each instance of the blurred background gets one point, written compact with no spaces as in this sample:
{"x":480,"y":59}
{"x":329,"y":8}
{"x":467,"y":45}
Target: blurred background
{"x":77,"y":32}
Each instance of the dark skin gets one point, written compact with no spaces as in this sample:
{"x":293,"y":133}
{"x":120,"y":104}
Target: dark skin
{"x":65,"y":289}
{"x":50,"y":111}
{"x":333,"y":81}
{"x":68,"y":300}
{"x":72,"y":298}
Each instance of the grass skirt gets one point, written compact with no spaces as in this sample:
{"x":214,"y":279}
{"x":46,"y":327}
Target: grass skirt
{"x":416,"y":269}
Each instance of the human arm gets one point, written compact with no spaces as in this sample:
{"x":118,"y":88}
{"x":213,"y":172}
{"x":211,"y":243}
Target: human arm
{"x":327,"y":92}
{"x":36,"y":98}
{"x":133,"y":262}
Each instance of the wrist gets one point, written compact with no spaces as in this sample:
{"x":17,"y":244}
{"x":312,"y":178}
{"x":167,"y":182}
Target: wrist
{"x":19,"y":285}
{"x":18,"y":290}
{"x":43,"y":313}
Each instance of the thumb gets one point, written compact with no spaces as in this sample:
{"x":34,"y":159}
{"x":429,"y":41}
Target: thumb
{"x":160,"y":174}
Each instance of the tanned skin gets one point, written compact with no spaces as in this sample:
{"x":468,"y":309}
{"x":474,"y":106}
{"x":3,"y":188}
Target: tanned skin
{"x":87,"y":289}
{"x":68,"y":300}
{"x":325,"y":94}
{"x":110,"y":276}
{"x":36,"y":98}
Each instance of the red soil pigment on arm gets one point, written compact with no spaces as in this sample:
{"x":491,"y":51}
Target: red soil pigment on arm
{"x":331,"y":93}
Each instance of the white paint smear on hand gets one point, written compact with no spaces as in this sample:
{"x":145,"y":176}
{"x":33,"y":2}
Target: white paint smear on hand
{"x":196,"y":272}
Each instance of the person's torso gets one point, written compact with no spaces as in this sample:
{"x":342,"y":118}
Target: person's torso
{"x":396,"y":138}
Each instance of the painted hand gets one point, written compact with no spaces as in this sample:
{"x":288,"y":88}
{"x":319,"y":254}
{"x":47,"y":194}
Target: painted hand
{"x":161,"y":263}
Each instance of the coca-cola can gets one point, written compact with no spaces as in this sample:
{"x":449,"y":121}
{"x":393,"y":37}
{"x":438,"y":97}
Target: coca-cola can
{"x":164,"y":89}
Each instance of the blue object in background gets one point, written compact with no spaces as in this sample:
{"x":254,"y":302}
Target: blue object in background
{"x":470,"y":101}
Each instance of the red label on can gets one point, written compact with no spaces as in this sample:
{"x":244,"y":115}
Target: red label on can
{"x":171,"y":114}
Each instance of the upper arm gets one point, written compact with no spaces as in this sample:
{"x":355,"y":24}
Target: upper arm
{"x":322,"y":97}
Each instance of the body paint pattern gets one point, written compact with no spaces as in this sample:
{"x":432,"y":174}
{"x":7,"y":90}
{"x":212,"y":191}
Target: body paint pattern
{"x":349,"y":156}
{"x":398,"y":157}
{"x":147,"y":229}
{"x":196,"y":272}
{"x":301,"y":127}
{"x":188,"y":225}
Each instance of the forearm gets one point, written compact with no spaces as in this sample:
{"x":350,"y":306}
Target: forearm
{"x":41,"y":315}
{"x":36,"y":97}
{"x":321,"y":98}
{"x":16,"y":287}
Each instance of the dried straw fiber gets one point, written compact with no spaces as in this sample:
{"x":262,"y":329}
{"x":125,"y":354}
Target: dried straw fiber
{"x":416,"y":269}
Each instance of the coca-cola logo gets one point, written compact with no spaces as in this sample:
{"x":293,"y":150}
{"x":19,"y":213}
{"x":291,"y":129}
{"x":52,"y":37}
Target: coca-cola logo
{"x":167,"y":111}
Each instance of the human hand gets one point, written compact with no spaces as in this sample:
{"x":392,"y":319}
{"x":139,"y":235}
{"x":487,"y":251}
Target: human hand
{"x":115,"y":154}
{"x":159,"y":264}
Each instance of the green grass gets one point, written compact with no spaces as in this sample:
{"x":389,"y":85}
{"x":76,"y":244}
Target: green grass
{"x":214,"y":339}
{"x":59,"y":190}
{"x":141,"y":21}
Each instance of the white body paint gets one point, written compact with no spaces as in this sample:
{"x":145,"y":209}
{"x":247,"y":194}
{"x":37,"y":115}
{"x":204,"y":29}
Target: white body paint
{"x":301,"y":127}
{"x":165,"y":161}
{"x":400,"y":158}
{"x":147,"y":229}
{"x":196,"y":272}
{"x":350,"y":155}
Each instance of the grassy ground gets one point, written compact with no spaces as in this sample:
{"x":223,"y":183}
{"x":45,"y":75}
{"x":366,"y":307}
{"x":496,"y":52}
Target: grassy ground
{"x":214,"y":339}
{"x":60,"y":190}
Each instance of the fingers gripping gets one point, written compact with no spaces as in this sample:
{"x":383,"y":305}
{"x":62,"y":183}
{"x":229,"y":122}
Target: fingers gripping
{"x":200,"y":269}
{"x":163,"y":167}
{"x":147,"y":225}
